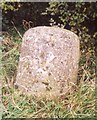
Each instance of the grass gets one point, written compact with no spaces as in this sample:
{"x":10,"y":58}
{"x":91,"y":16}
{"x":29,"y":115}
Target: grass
{"x":78,"y":104}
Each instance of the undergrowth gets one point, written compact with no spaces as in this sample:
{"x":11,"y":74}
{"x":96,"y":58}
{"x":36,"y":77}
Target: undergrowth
{"x":78,"y":104}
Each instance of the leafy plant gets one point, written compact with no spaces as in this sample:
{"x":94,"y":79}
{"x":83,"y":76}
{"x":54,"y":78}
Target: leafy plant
{"x":78,"y":17}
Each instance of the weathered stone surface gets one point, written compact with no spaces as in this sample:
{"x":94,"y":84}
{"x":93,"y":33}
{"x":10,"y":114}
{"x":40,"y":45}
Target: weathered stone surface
{"x":48,"y":62}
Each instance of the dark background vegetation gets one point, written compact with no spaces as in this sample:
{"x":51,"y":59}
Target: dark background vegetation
{"x":79,"y":17}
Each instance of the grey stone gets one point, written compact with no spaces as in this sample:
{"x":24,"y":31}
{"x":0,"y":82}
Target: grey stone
{"x":48,"y":62}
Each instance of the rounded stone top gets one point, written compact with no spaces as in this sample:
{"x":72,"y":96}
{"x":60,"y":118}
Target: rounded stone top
{"x":50,"y":31}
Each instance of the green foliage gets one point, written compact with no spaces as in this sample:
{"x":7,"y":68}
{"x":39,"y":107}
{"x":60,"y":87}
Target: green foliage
{"x":27,"y":14}
{"x":10,"y":54}
{"x":7,"y":9}
{"x":78,"y":17}
{"x":80,"y":103}
{"x":6,"y":6}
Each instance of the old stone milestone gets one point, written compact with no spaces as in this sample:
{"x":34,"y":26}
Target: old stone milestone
{"x":48,"y":61}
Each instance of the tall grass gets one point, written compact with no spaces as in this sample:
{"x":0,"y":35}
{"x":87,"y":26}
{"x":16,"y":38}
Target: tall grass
{"x":78,"y":104}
